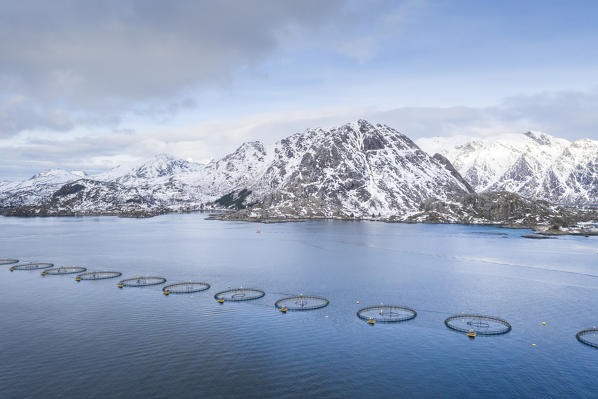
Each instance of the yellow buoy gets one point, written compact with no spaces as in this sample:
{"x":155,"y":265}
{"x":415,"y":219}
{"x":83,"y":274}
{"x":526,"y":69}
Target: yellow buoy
{"x":283,"y":310}
{"x":357,"y":302}
{"x":533,"y":344}
{"x":471,"y":334}
{"x":166,"y":292}
{"x":120,"y":285}
{"x":543,"y":323}
{"x":326,"y":316}
{"x":78,"y":279}
{"x":220,"y":300}
{"x":371,"y":322}
{"x":43,"y":273}
{"x":12,"y":269}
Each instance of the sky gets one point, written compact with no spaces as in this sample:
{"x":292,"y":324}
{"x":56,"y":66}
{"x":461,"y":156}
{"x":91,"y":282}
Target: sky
{"x":87,"y":85}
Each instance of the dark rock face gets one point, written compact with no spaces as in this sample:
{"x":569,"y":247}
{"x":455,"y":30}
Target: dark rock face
{"x":68,"y":189}
{"x":234,"y":200}
{"x":502,"y":208}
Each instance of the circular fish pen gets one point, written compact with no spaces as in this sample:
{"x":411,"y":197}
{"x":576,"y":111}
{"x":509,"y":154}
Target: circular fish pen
{"x":302,"y":302}
{"x":480,"y":324}
{"x":32,"y":266}
{"x":239,"y":294}
{"x":185,"y":288}
{"x":7,"y":261}
{"x":144,"y":281}
{"x":97,"y":275}
{"x":588,"y":337}
{"x":64,"y":270}
{"x":386,"y":313}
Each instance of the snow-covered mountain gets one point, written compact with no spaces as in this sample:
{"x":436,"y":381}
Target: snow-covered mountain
{"x":358,"y":169}
{"x":36,"y":189}
{"x":355,"y":170}
{"x":534,"y":165}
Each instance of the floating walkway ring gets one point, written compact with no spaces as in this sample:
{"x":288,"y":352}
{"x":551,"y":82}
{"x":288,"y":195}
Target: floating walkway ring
{"x":480,"y":324}
{"x":32,"y":266}
{"x":302,"y":302}
{"x":185,"y":288}
{"x":57,"y":271}
{"x":588,"y":337}
{"x":6,"y":261}
{"x":239,"y":294}
{"x":143,"y":281}
{"x":386,"y":313}
{"x":97,"y":275}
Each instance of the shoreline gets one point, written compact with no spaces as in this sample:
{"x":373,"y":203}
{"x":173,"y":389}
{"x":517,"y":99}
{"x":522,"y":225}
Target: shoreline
{"x":539,"y":231}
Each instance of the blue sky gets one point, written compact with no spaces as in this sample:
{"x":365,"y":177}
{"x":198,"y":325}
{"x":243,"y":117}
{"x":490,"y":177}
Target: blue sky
{"x":88,"y":85}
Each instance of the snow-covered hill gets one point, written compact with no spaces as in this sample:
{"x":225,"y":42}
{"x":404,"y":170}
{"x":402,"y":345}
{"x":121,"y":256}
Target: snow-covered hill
{"x":534,"y":165}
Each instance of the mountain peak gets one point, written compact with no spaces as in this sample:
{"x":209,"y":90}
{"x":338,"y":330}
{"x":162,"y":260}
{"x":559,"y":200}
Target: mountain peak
{"x":361,"y":125}
{"x":58,"y":174}
{"x":539,"y":137}
{"x":160,"y":165}
{"x":163,"y":156}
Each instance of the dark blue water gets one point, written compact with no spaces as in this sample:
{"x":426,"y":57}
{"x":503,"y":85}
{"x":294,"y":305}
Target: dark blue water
{"x":63,"y":339}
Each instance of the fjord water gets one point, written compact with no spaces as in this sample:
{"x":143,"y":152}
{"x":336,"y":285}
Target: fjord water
{"x":60,"y":338}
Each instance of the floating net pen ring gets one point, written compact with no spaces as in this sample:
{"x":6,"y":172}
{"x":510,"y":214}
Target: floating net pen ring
{"x":97,"y":275}
{"x":302,"y":302}
{"x":239,"y":294}
{"x":32,"y":266}
{"x":144,"y":281}
{"x":185,"y":288}
{"x":8,"y":261}
{"x":57,"y":271}
{"x":480,"y":324}
{"x":386,"y":313}
{"x":588,"y":337}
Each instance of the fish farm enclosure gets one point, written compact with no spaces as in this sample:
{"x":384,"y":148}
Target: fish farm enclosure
{"x":302,"y":302}
{"x":483,"y":325}
{"x":465,"y":323}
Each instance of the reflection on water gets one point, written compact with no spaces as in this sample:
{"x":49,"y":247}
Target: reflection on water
{"x":60,"y":338}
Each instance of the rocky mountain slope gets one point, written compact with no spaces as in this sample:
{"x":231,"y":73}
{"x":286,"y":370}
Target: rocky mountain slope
{"x":534,"y":165}
{"x":355,"y":170}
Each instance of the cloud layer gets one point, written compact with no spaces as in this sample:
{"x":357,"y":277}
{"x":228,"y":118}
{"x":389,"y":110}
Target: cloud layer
{"x":88,"y":85}
{"x":68,"y":62}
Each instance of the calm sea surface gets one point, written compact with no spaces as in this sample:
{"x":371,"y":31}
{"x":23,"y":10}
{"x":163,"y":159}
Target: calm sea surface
{"x":62,"y":339}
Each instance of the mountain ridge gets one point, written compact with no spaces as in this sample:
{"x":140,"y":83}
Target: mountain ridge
{"x":357,"y":170}
{"x":533,"y":164}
